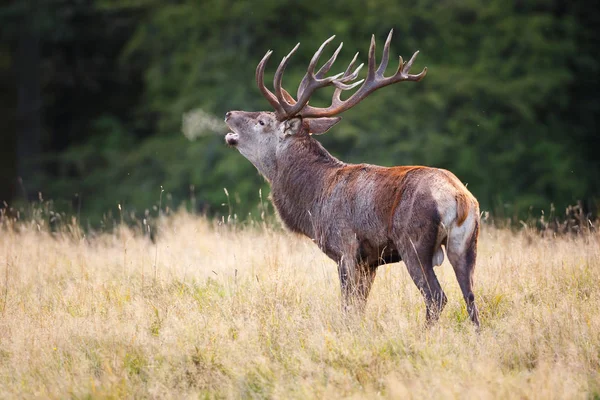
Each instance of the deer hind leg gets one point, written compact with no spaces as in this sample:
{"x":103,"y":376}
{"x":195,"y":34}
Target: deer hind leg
{"x":462,"y":255}
{"x":420,"y":269}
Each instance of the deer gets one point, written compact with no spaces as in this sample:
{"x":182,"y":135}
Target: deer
{"x":360,"y":215}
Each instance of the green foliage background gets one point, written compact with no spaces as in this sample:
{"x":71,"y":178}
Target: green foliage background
{"x":510,"y":103}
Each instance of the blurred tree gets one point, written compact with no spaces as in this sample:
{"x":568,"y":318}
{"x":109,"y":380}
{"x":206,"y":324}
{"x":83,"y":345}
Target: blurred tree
{"x":510,"y":102}
{"x":63,"y":64}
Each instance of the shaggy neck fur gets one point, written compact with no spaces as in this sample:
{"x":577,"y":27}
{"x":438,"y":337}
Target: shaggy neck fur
{"x":303,"y":169}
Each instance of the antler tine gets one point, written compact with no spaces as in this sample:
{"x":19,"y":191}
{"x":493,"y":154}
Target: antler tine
{"x":288,"y":97}
{"x":403,"y":71}
{"x":421,"y":75}
{"x":344,"y":86}
{"x":327,"y":66}
{"x":410,"y":62}
{"x":400,"y":65}
{"x":347,"y":77}
{"x":341,"y":83}
{"x":386,"y":54}
{"x":277,"y":79}
{"x":260,"y":81}
{"x":353,"y":75}
{"x":339,"y":88}
{"x":317,"y":55}
{"x":351,"y":65}
{"x":372,"y":62}
{"x":409,"y":65}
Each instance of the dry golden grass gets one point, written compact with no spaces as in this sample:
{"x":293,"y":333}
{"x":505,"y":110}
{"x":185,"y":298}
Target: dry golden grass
{"x":254,"y":313}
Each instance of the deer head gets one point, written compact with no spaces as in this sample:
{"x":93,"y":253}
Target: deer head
{"x":261,"y":136}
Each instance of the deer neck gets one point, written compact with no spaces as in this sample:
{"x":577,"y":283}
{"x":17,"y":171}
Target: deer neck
{"x":304,"y":170}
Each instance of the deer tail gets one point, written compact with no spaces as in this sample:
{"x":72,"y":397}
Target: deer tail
{"x":462,"y":208}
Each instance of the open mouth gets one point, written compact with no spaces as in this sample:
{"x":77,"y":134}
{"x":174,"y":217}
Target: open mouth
{"x":232,"y":139}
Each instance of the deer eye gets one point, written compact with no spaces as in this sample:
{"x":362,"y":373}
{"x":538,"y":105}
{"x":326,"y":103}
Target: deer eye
{"x":261,"y":122}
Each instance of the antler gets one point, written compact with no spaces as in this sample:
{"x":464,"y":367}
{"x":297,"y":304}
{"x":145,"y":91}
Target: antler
{"x":260,"y":81}
{"x":286,"y":107}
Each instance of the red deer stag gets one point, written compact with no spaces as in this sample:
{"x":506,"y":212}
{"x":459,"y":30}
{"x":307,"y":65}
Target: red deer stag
{"x":361,"y":216}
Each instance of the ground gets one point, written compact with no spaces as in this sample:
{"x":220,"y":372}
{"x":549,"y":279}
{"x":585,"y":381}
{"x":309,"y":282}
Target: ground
{"x":254,"y":312}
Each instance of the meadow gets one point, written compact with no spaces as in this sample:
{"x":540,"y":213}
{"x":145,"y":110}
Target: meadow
{"x":221,"y":310}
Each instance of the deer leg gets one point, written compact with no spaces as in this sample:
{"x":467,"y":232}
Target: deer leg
{"x":364,"y":277}
{"x":422,"y":274}
{"x":463,"y":262}
{"x":346,"y":272}
{"x":356,"y":280}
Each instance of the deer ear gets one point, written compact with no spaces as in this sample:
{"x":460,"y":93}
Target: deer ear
{"x":292,"y":126}
{"x":318,"y":126}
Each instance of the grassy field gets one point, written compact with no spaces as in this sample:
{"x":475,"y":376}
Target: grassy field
{"x":254,"y":313}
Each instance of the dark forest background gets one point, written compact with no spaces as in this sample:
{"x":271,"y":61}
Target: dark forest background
{"x":104,"y":102}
